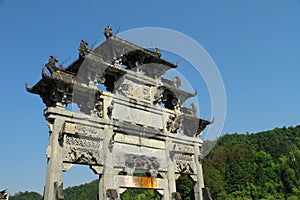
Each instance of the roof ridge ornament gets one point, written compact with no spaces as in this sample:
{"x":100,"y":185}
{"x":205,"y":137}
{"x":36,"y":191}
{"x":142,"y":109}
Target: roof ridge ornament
{"x":157,"y":52}
{"x":50,"y":65}
{"x":107,"y":32}
{"x":83,"y":49}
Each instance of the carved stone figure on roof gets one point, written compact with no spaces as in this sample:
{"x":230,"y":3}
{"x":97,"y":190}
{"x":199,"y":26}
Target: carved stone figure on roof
{"x":83,"y":49}
{"x":50,"y":65}
{"x":4,"y":194}
{"x":157,"y":52}
{"x":193,"y":108}
{"x":107,"y":32}
{"x":177,"y":82}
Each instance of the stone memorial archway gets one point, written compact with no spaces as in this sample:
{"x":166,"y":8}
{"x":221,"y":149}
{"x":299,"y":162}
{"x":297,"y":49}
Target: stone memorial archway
{"x":122,"y":130}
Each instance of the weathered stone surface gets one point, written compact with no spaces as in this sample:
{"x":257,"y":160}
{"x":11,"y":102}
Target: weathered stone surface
{"x":184,"y":148}
{"x":144,"y":158}
{"x":137,"y":116}
{"x":67,"y":166}
{"x":84,"y":130}
{"x":97,"y":169}
{"x":135,"y":140}
{"x":140,"y":182}
{"x":133,"y":125}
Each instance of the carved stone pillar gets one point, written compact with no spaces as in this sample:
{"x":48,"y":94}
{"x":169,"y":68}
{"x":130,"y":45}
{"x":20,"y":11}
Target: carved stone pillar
{"x":171,"y":172}
{"x":106,"y":182}
{"x":164,"y":194}
{"x":55,"y":160}
{"x":200,"y":182}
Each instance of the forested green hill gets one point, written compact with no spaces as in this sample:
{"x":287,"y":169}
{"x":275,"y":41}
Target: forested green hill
{"x":26,"y":196}
{"x":264,"y":165}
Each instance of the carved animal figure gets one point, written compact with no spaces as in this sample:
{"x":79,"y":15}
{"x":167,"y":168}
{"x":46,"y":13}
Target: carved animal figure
{"x":107,"y":32}
{"x":176,"y":196}
{"x":157,"y":52}
{"x":83,"y":48}
{"x":112,"y":194}
{"x":177,"y":81}
{"x":50,"y":65}
{"x":4,"y":194}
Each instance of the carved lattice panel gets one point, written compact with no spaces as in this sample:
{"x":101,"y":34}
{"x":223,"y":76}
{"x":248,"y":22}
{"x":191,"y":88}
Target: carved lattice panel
{"x":83,"y":150}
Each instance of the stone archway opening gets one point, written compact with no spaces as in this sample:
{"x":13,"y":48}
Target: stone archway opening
{"x":80,"y":176}
{"x":185,"y":186}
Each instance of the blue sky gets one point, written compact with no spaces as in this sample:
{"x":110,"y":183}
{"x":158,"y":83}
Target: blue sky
{"x":255,"y":45}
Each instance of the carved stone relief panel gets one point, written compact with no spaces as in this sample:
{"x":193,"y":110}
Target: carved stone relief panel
{"x":184,"y":163}
{"x":184,"y":148}
{"x":133,"y":157}
{"x":183,"y":157}
{"x":84,"y":130}
{"x":82,"y":142}
{"x":141,"y":162}
{"x":174,"y":122}
{"x":83,"y":156}
{"x":82,"y":150}
{"x":98,"y":110}
{"x":135,"y":90}
{"x":185,"y":167}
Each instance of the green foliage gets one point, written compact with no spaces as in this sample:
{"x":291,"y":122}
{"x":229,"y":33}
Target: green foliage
{"x":139,"y":194}
{"x":82,"y":192}
{"x":264,"y":165}
{"x":26,"y":196}
{"x":185,"y":186}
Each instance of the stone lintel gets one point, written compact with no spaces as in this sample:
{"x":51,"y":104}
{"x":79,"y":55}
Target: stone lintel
{"x":140,"y":182}
{"x":83,"y":129}
{"x":135,"y":140}
{"x":79,"y":118}
{"x":121,"y":99}
{"x":53,"y":113}
{"x":141,"y":78}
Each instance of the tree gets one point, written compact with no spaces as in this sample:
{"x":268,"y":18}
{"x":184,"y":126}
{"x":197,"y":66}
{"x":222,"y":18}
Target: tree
{"x":26,"y":196}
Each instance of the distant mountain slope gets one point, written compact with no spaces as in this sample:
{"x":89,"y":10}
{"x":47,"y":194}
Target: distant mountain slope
{"x":26,"y":196}
{"x":265,"y":165}
{"x":88,"y":191}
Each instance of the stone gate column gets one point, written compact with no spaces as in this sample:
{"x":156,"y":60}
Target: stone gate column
{"x":55,"y":161}
{"x":107,"y":181}
{"x":200,"y":182}
{"x":171,"y":172}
